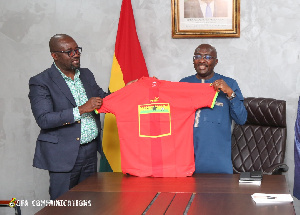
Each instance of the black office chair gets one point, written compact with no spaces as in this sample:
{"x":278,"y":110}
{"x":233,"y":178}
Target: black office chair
{"x":259,"y":144}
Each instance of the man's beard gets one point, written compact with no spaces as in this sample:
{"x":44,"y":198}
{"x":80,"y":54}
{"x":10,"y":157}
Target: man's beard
{"x":73,"y":67}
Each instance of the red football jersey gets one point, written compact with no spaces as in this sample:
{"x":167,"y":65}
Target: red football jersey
{"x":155,"y":124}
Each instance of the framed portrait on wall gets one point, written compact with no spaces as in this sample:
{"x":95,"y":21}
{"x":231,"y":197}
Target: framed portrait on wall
{"x":205,"y":18}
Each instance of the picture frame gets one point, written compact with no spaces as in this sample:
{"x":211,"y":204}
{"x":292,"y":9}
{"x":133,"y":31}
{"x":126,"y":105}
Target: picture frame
{"x":190,"y":21}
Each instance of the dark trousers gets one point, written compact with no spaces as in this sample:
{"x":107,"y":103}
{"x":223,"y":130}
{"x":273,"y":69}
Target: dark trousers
{"x":85,"y":165}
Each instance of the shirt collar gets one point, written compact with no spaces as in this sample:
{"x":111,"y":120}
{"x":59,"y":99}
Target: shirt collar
{"x":77,"y":73}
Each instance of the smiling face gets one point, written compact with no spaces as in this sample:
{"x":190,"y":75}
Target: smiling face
{"x":205,"y":67}
{"x":62,"y":60}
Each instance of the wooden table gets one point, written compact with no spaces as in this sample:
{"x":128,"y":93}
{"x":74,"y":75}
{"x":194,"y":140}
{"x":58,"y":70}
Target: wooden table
{"x":115,"y":193}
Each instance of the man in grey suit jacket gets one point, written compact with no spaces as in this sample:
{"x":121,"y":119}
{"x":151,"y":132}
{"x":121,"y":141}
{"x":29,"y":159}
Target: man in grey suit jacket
{"x":63,"y":99}
{"x":193,"y":8}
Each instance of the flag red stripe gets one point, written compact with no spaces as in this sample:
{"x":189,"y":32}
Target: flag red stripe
{"x":127,"y":49}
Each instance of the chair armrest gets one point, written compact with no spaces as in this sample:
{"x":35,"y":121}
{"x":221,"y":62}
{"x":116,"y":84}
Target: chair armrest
{"x":235,"y":171}
{"x":276,"y":169}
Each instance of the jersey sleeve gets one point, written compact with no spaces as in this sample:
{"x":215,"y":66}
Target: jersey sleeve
{"x":211,"y":96}
{"x":108,"y":103}
{"x":113,"y":101}
{"x":207,"y":96}
{"x":201,"y":94}
{"x":105,"y":106}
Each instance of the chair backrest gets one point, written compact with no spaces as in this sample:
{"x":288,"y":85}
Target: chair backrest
{"x":260,"y":143}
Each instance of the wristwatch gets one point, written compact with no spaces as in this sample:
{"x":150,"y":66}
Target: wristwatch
{"x":232,"y":96}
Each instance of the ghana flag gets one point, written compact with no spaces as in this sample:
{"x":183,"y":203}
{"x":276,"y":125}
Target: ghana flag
{"x":128,"y":64}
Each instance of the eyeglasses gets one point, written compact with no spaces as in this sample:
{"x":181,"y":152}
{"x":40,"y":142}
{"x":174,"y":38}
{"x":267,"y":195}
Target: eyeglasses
{"x":71,"y":53}
{"x":205,"y":57}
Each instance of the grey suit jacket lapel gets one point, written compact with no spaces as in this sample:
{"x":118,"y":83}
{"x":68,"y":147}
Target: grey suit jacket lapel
{"x":61,"y":84}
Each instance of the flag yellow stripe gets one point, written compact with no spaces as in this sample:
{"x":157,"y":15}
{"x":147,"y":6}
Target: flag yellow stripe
{"x":116,"y":78}
{"x":111,"y":143}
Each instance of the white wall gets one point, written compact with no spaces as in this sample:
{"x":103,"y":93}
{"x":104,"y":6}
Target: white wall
{"x":264,"y":61}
